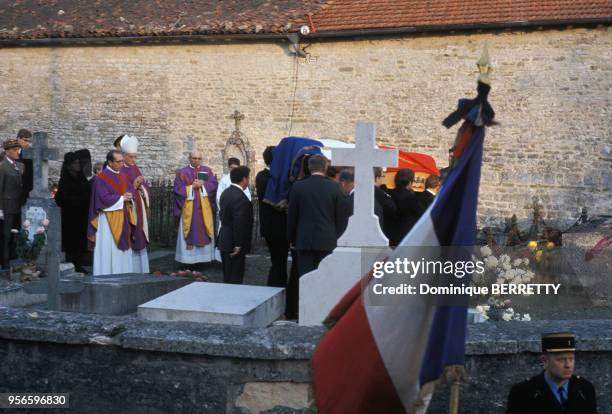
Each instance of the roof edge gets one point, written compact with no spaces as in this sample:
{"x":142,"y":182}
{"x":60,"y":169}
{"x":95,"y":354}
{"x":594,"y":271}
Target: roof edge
{"x":319,"y":35}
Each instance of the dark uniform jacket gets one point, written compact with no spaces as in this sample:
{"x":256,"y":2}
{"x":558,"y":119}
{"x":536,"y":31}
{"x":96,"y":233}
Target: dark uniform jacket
{"x":27,"y":179}
{"x":316,"y":214}
{"x":409,"y":210}
{"x":10,"y":186}
{"x":535,"y":397}
{"x":236,"y":215}
{"x":425,"y":198}
{"x":272,"y":222}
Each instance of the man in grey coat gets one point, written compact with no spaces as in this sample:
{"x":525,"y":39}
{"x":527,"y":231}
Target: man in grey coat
{"x":11,"y":175}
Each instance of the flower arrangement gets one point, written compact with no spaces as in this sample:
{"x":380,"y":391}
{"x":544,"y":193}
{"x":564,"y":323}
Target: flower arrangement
{"x":502,"y":270}
{"x":27,"y":250}
{"x":501,"y":310}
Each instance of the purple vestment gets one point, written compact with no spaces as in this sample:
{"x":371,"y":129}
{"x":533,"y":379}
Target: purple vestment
{"x":106,"y":190}
{"x":139,"y":238}
{"x":184,"y":177}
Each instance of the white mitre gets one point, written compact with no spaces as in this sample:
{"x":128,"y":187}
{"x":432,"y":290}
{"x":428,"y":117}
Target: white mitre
{"x":129,"y":145}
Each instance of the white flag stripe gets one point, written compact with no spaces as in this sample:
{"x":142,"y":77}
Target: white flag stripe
{"x":402,"y":331}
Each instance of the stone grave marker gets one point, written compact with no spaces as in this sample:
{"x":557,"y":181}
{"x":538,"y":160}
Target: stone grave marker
{"x":322,"y":288}
{"x":39,"y":206}
{"x":218,"y":303}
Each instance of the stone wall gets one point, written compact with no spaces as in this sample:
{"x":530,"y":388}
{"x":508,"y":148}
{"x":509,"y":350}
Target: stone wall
{"x":551,"y":90}
{"x":125,"y":365}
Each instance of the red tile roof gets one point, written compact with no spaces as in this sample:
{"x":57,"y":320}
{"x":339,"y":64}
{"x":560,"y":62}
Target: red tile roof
{"x":35,"y":19}
{"x":379,"y":14}
{"x":30,"y":19}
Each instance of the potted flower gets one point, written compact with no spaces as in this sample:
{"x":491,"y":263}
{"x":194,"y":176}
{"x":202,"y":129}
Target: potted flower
{"x":29,"y":250}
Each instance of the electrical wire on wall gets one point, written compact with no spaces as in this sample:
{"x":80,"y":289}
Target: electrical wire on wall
{"x":295,"y":85}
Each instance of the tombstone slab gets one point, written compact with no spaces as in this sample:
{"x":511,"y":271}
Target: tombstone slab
{"x":114,"y":294}
{"x":218,"y":303}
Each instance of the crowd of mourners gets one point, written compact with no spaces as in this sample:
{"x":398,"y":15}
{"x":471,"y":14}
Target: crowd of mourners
{"x":104,"y":210}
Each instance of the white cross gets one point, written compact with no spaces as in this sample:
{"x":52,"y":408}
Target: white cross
{"x":363,"y":229}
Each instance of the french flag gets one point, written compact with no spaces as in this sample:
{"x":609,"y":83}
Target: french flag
{"x":387,"y":359}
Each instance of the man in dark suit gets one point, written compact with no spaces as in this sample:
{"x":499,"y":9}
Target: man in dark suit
{"x":11,"y":173}
{"x":432,"y":186}
{"x":24,"y":138}
{"x":272,"y":227}
{"x":384,"y":206}
{"x":556,"y":390}
{"x":236,"y":215}
{"x":314,"y":223}
{"x":409,"y":209}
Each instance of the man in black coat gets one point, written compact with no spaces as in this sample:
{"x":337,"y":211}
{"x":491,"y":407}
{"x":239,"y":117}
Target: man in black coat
{"x":432,"y":186}
{"x":314,"y":223}
{"x":24,"y":138}
{"x":384,"y":206}
{"x":11,"y":175}
{"x":556,"y":390}
{"x":236,"y":215}
{"x":409,"y":209}
{"x":272,"y":227}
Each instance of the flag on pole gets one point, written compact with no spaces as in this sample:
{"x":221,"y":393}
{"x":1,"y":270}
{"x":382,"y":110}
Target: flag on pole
{"x":387,"y":359}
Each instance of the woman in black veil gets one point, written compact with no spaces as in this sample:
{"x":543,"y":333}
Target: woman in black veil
{"x":73,"y":198}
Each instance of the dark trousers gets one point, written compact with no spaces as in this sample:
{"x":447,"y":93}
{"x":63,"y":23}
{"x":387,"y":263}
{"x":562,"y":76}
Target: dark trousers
{"x":279,"y":249}
{"x":11,"y":221}
{"x":307,"y":261}
{"x":233,"y":268}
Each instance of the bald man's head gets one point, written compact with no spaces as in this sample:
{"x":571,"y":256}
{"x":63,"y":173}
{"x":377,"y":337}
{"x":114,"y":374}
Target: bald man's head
{"x":195,"y":158}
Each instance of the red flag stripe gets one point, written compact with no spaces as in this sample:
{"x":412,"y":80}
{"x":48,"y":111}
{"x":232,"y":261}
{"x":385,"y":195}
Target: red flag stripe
{"x":340,"y":359}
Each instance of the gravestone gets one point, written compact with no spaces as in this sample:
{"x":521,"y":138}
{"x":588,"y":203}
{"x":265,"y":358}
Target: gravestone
{"x":39,"y":206}
{"x":109,"y":294}
{"x":218,"y":303}
{"x":322,"y":288}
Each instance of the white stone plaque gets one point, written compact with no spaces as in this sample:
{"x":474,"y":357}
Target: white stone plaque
{"x":35,"y":215}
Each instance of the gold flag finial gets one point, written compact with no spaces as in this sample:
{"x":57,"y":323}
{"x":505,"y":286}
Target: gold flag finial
{"x":484,"y":66}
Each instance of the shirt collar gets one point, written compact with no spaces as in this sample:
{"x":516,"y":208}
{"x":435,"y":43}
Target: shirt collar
{"x":9,"y":160}
{"x":241,"y":189}
{"x":111,"y":170}
{"x":555,"y":387}
{"x":431,"y":192}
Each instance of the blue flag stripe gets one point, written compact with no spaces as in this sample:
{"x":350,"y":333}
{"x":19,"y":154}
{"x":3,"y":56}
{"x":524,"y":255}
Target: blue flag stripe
{"x":454,"y":219}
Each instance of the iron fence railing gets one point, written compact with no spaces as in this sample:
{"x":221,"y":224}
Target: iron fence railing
{"x":163,"y":225}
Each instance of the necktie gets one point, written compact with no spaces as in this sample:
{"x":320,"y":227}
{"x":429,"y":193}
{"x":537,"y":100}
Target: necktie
{"x":562,"y":397}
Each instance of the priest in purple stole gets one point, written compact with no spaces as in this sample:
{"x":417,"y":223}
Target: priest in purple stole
{"x":111,"y":219}
{"x":140,"y":235}
{"x":194,"y":190}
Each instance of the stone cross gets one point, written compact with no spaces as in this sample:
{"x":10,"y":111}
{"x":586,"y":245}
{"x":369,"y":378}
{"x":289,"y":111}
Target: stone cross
{"x":40,"y":154}
{"x":40,"y":199}
{"x":237,"y":116}
{"x":363,"y":228}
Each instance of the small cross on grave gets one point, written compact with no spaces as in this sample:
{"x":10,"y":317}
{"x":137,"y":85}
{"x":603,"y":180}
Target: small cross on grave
{"x":237,"y":116}
{"x":363,"y":228}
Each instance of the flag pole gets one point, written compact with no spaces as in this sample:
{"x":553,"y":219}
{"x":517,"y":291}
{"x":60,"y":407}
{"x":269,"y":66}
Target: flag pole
{"x":484,"y":69}
{"x":454,"y":398}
